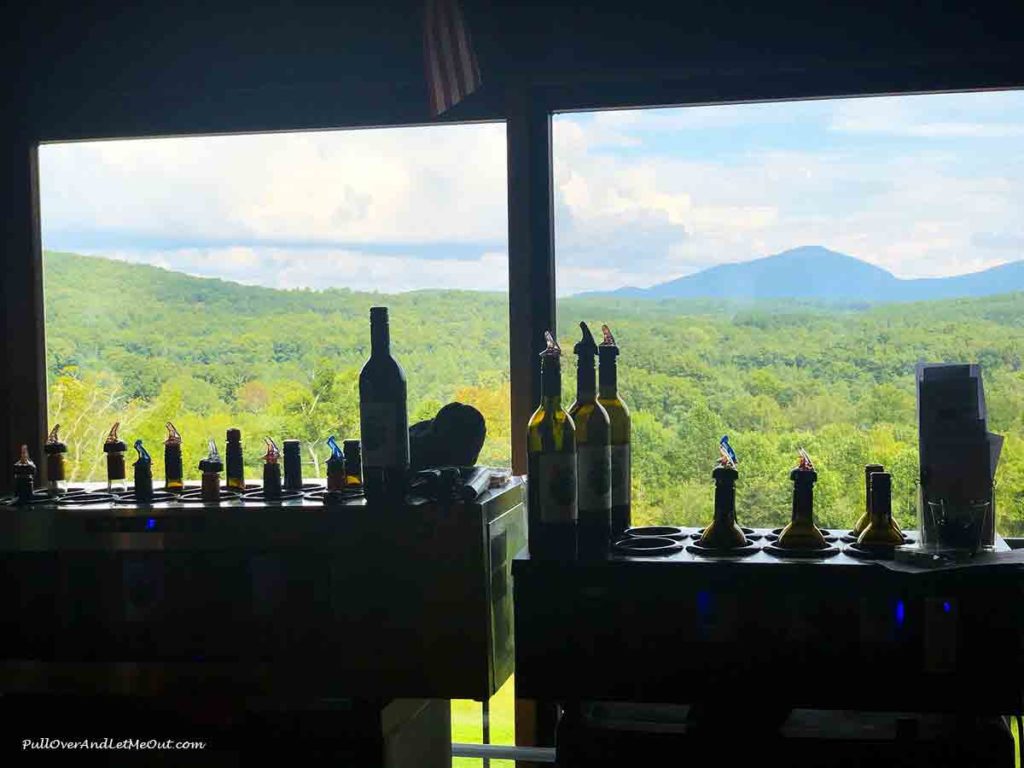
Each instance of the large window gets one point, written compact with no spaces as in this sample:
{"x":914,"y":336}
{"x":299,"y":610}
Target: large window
{"x":219,"y":282}
{"x":226,"y":281}
{"x":774,"y":271}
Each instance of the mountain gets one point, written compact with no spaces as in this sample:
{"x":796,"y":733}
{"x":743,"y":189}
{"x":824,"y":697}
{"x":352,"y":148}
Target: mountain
{"x":816,"y":273}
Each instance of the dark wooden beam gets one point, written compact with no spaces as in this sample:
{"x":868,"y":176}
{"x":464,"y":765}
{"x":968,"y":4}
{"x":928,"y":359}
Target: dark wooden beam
{"x":531,"y":277}
{"x":341,"y":103}
{"x":531,"y":251}
{"x":794,"y":78}
{"x":23,"y":377}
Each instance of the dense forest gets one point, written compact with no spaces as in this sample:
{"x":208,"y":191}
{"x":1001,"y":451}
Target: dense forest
{"x":145,"y":346}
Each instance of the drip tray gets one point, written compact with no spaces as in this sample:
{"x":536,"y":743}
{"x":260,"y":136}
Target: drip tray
{"x":38,"y":497}
{"x":258,"y":495}
{"x":647,"y":545}
{"x":659,"y":531}
{"x":870,"y":553}
{"x":801,"y":554}
{"x":81,"y":499}
{"x":696,"y":548}
{"x":196,"y":496}
{"x":157,"y":497}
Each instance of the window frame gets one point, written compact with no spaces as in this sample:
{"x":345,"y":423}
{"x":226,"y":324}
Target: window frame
{"x":527,"y":109}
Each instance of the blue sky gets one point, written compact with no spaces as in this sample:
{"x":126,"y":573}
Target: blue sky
{"x":920,"y":185}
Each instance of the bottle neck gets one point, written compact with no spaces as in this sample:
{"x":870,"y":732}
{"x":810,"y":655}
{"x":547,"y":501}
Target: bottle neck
{"x":803,"y":502}
{"x":881,"y":506}
{"x":725,"y":502}
{"x":380,"y":337}
{"x":609,"y":378}
{"x":869,"y":470}
{"x":551,"y":383}
{"x":586,"y":380}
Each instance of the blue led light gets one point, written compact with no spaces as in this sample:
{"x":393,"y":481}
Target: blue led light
{"x":151,"y":524}
{"x":946,"y":607}
{"x":901,"y":613}
{"x":703,"y":602}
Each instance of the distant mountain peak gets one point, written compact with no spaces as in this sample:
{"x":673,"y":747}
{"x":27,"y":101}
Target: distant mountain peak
{"x":815,"y":272}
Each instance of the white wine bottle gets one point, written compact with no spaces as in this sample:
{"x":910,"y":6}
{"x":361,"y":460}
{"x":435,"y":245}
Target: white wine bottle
{"x":593,"y":455}
{"x":383,"y":417}
{"x":551,"y":479}
{"x":618,"y":415}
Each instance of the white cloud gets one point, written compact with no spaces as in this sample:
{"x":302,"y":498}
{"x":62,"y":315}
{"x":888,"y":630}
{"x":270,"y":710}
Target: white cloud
{"x":912,"y":208}
{"x":405,"y":185}
{"x":992,"y":115}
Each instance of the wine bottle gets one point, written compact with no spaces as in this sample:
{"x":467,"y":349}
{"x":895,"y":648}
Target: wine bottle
{"x":724,"y":532}
{"x":618,"y":415}
{"x":56,"y":475}
{"x":802,"y":533}
{"x":271,"y":470}
{"x":882,"y":530}
{"x":864,"y":519}
{"x":24,"y":476}
{"x":234,"y":463}
{"x":115,"y":447}
{"x":551,"y":479}
{"x":174,"y":476}
{"x":383,"y":417}
{"x":593,"y":455}
{"x":353,"y":465}
{"x":143,"y":473}
{"x":335,"y":466}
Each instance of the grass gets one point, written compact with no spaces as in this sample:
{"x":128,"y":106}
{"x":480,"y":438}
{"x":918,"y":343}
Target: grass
{"x":467,"y":725}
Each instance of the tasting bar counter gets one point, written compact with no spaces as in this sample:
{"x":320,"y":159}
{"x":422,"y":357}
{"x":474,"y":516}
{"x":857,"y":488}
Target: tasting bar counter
{"x":249,"y":598}
{"x":836,"y":633}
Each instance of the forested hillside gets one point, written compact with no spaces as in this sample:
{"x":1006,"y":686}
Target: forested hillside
{"x":144,"y":346}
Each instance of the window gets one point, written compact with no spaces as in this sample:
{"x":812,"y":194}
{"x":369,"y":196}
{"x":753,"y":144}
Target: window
{"x":226,"y":281}
{"x":774,"y":271}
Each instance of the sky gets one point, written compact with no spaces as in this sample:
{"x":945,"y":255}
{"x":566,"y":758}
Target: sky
{"x":922,"y":186}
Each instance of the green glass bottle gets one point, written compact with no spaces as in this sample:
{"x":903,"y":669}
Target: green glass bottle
{"x":618,"y":415}
{"x":551,"y":479}
{"x":593,"y":455}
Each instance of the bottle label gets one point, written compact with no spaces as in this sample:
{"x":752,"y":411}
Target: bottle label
{"x":557,"y":487}
{"x":594,"y":476}
{"x":621,"y":478}
{"x":378,"y":433}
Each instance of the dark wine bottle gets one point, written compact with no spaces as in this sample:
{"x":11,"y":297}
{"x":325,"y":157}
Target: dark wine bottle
{"x":864,"y":519}
{"x":618,"y":415}
{"x":551,"y":451}
{"x":143,"y":473}
{"x":882,"y":530}
{"x":724,"y":532}
{"x":174,"y":476}
{"x":802,"y":532}
{"x":593,"y":455}
{"x":383,"y":417}
{"x":234,"y":463}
